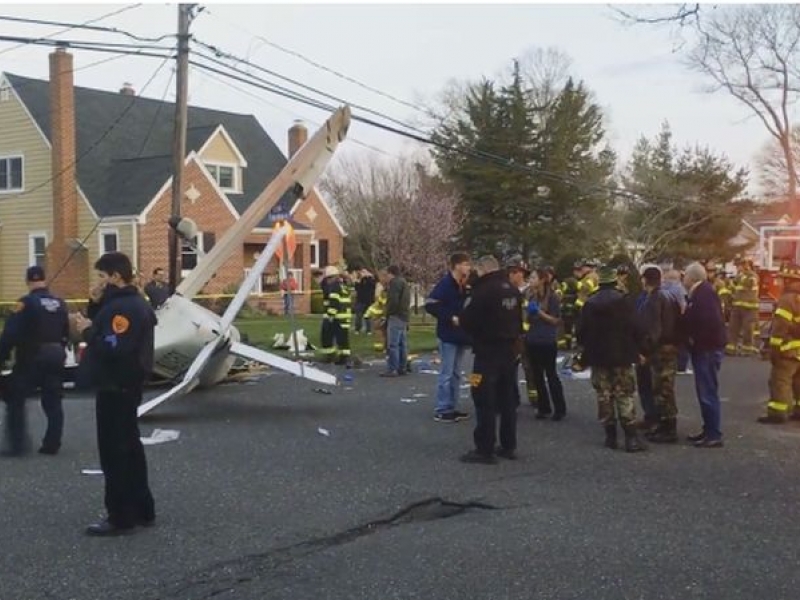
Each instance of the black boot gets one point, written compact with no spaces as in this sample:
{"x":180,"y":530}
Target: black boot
{"x":611,"y":436}
{"x":666,"y":433}
{"x":632,"y":443}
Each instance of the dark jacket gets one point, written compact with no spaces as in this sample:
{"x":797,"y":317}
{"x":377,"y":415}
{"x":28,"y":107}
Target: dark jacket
{"x":607,"y":330}
{"x":446,"y":301}
{"x":398,"y":299}
{"x":120,"y":340}
{"x":157,"y":293}
{"x":659,"y":318}
{"x":365,"y":291}
{"x":39,"y":319}
{"x":702,"y":321}
{"x":492,"y":316}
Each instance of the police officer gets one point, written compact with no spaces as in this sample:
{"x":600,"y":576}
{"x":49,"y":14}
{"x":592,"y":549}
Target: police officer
{"x":518,"y":275}
{"x":492,"y":316}
{"x":120,"y":351}
{"x":38,"y":330}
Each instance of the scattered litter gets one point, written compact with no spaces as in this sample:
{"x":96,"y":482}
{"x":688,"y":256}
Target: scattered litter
{"x":428,"y":371}
{"x":347,"y":378}
{"x":91,"y":471}
{"x":560,"y":359}
{"x":570,"y":374}
{"x":323,"y":391}
{"x":408,"y":400}
{"x":159,"y":436}
{"x":420,"y":395}
{"x":466,"y":386}
{"x":323,"y":431}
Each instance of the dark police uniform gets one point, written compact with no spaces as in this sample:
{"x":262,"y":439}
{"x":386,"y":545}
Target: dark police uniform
{"x":120,"y":354}
{"x":492,"y":316}
{"x":38,"y":331}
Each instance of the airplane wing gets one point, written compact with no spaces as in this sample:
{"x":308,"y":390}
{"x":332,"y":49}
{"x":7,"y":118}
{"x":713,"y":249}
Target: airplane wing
{"x":302,"y":170}
{"x":189,"y":381}
{"x":284,"y":364}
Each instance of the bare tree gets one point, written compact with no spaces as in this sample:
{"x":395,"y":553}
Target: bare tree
{"x":545,"y":72}
{"x":680,"y":14}
{"x":771,"y":164}
{"x":753,"y":53}
{"x":395,"y":212}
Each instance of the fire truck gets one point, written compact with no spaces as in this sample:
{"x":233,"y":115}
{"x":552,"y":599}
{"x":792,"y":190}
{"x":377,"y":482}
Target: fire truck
{"x":777,"y":244}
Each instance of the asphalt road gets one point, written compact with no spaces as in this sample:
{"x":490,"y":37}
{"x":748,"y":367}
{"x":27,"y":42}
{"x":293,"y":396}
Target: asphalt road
{"x":255,"y":503}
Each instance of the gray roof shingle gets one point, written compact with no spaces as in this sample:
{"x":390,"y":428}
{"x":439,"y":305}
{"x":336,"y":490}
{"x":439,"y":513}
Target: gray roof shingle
{"x":124,"y":146}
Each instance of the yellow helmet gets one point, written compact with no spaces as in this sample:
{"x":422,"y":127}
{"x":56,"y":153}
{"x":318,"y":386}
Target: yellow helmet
{"x":789,"y":271}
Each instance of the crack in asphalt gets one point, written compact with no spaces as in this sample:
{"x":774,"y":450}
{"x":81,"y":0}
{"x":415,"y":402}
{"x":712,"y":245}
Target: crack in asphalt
{"x":224,"y":577}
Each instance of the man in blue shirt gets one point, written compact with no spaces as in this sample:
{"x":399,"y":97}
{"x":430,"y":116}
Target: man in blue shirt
{"x":445,"y":303}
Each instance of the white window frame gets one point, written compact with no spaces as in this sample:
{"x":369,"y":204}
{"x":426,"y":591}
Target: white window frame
{"x":213,"y":169}
{"x":32,"y":247}
{"x":258,"y":288}
{"x":314,"y":254}
{"x":298,"y":277}
{"x":5,"y":92}
{"x":199,"y":251}
{"x":22,"y":168}
{"x":101,"y":238}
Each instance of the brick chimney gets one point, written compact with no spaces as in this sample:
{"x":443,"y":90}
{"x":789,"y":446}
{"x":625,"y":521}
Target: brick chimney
{"x":73,"y":281}
{"x":298,"y":134}
{"x":127,"y":89}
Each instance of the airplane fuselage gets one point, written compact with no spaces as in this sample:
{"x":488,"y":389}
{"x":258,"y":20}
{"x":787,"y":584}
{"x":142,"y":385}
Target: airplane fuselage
{"x":183,"y":329}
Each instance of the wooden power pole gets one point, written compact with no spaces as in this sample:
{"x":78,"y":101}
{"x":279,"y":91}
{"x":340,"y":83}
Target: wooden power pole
{"x":179,"y":136}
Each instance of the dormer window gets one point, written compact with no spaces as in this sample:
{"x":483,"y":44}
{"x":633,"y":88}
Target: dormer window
{"x":227,"y":177}
{"x":5,"y":92}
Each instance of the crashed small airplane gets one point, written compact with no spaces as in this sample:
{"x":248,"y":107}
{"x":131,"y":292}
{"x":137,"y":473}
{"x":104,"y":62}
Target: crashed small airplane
{"x":195,"y":347}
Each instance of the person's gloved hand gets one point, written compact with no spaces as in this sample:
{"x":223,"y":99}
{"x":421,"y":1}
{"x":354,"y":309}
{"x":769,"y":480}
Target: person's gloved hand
{"x":533,"y":308}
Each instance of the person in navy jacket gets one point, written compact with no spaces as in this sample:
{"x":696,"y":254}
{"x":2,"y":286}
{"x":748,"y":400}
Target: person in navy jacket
{"x":445,"y":302}
{"x":704,"y":324}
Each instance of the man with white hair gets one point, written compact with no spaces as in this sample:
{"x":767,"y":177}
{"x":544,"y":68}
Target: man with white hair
{"x":706,"y":330}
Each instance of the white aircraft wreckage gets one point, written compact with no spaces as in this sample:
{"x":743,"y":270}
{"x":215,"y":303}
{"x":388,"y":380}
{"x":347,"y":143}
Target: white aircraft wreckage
{"x":195,"y":347}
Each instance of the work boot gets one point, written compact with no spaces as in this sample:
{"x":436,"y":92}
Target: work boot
{"x":611,"y":436}
{"x":772,"y":419}
{"x":632,"y":443}
{"x":665,"y":433}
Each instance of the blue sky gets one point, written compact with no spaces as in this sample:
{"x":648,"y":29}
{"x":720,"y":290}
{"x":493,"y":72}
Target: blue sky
{"x":411,"y":51}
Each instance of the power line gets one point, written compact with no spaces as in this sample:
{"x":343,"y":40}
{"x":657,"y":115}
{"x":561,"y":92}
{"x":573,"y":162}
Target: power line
{"x":71,"y":27}
{"x":289,"y":112}
{"x":222,"y":53}
{"x":87,"y":27}
{"x":322,"y":67}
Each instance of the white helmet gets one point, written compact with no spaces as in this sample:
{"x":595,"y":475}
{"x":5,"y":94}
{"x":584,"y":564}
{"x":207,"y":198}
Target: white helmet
{"x":330,"y":271}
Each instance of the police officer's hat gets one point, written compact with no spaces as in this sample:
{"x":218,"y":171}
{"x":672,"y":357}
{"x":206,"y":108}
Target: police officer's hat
{"x":515,"y":263}
{"x":789,"y":271}
{"x":34,"y":273}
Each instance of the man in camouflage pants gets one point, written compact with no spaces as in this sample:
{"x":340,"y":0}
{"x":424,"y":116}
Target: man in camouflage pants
{"x":609,"y":336}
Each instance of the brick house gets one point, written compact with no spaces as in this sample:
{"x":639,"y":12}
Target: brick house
{"x":85,"y":171}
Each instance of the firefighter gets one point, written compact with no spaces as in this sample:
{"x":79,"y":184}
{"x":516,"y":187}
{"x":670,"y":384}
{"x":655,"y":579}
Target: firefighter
{"x":784,"y":346}
{"x":336,"y":320}
{"x":744,"y":310}
{"x":717,"y":280}
{"x":587,"y":282}
{"x":376,"y":313}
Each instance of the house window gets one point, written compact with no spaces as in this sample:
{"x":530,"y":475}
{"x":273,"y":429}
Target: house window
{"x":5,"y":93}
{"x":225,"y":176}
{"x":109,"y":240}
{"x":11,"y":174}
{"x":314,"y":262}
{"x":189,"y":253}
{"x":37,"y":249}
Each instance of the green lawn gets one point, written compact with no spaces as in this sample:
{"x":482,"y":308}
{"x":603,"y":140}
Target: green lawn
{"x":261,"y":330}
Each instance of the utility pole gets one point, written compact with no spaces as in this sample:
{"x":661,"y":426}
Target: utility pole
{"x":179,"y":136}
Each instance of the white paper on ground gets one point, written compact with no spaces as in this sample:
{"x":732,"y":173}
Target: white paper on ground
{"x":428,"y":371}
{"x":159,"y":436}
{"x":585,"y":374}
{"x":408,"y":400}
{"x":323,"y":431}
{"x":420,"y":395}
{"x":91,"y":472}
{"x":560,"y":359}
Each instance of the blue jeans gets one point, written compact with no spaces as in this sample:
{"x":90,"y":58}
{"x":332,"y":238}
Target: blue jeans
{"x":447,"y":386}
{"x":683,"y":358}
{"x":398,"y":344}
{"x":706,"y":371}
